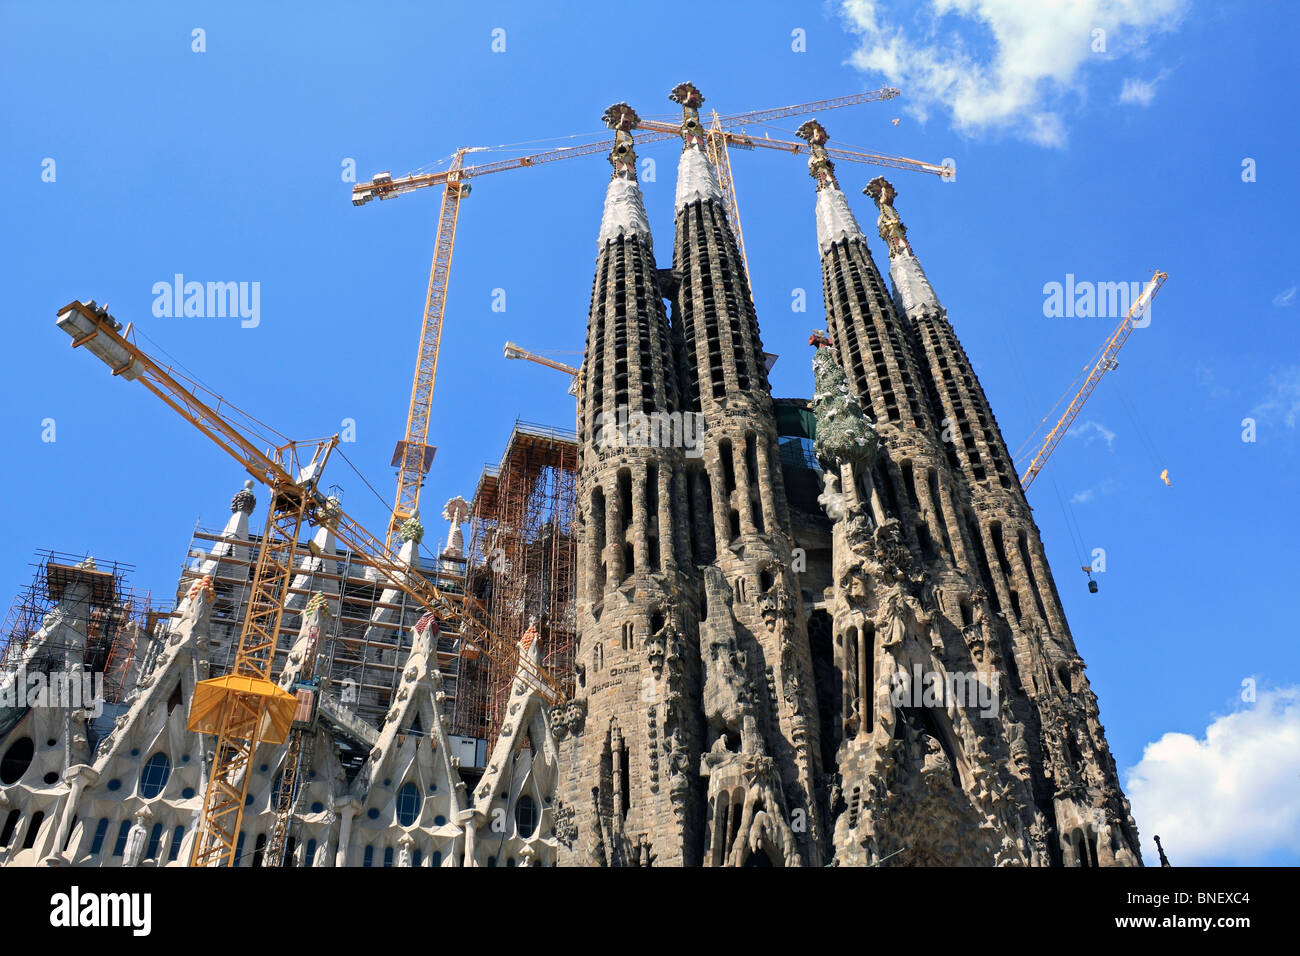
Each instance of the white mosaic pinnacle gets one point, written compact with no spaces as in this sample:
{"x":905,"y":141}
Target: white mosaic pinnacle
{"x":911,"y":287}
{"x":835,"y":219}
{"x":695,"y":179}
{"x":624,"y":213}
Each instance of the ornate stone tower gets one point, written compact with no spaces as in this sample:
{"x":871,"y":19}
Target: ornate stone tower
{"x":762,"y":761}
{"x":628,"y":740}
{"x":969,"y":734}
{"x":1075,"y":783}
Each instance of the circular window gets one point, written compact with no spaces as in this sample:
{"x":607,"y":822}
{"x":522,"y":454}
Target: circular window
{"x":154,"y":775}
{"x":51,"y":742}
{"x":187,"y":793}
{"x":433,"y":788}
{"x":135,"y":752}
{"x":51,"y":777}
{"x":185,"y":758}
{"x":263,"y":768}
{"x":318,"y":807}
{"x":114,"y":784}
{"x":248,"y":800}
{"x":373,"y":813}
{"x":388,"y":781}
{"x":16,"y":760}
{"x":526,"y":815}
{"x":439,"y":820}
{"x":408,"y":804}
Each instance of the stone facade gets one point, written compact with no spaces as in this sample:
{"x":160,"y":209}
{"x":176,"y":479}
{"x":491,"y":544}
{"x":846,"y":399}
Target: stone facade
{"x":939,"y":570}
{"x":132,"y":796}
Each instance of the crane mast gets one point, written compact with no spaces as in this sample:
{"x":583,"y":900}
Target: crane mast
{"x":413,"y":454}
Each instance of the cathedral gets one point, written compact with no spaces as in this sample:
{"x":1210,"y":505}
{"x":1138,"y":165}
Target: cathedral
{"x":809,"y":632}
{"x":749,"y":656}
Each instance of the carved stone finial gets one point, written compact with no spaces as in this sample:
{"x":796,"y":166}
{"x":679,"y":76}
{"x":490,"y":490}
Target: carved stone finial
{"x":891,"y":227}
{"x":317,"y":603}
{"x":203,"y":584}
{"x":412,"y":529}
{"x":691,"y":99}
{"x":244,"y":500}
{"x":820,"y":167}
{"x":456,"y":511}
{"x":622,"y":119}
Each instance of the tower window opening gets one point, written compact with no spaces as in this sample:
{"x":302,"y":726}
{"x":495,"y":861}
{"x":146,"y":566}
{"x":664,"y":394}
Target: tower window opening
{"x":33,"y":829}
{"x":11,"y":824}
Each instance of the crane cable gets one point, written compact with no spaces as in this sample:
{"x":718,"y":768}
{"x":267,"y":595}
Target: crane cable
{"x":1143,"y":435}
{"x":1071,"y":523}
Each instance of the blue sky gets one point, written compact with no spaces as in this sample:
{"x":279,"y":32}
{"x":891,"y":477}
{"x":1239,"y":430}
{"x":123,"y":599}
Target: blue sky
{"x":227,"y":165}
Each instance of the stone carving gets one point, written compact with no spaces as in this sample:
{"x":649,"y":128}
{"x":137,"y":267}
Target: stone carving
{"x":455,"y":511}
{"x":891,"y":228}
{"x":845,"y":436}
{"x":412,"y":529}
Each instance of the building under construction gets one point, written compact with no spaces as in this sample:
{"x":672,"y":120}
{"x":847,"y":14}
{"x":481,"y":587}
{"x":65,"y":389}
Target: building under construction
{"x":667,"y":645}
{"x":521,"y":563}
{"x":118,"y":632}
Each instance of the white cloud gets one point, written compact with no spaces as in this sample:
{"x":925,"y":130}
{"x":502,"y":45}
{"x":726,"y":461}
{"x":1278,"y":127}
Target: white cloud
{"x":1089,"y":494}
{"x":1285,"y":298}
{"x":1283,"y":400}
{"x":1230,"y":796}
{"x":1030,"y":56}
{"x":1090,"y":431}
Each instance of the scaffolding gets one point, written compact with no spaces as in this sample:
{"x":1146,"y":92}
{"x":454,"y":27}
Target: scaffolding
{"x":522,"y":561}
{"x":368,"y":640}
{"x":118,"y":621}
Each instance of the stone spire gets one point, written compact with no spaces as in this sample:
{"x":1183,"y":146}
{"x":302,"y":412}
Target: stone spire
{"x":740,"y":524}
{"x":835,"y":221}
{"x":912,"y":290}
{"x":233,"y":545}
{"x":633,"y":590}
{"x":624,"y":211}
{"x":456,"y":511}
{"x":696,"y":179}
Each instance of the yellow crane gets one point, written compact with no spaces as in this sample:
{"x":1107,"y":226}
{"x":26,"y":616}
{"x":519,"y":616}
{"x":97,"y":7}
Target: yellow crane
{"x":413,"y":455}
{"x":1106,"y":362}
{"x":513,"y":351}
{"x":246,"y":707}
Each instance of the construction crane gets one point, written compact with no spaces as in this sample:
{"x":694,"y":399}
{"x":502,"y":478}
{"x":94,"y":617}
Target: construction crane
{"x":246,"y":707}
{"x":513,"y":351}
{"x":413,"y":455}
{"x":1105,"y":363}
{"x":306,"y":691}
